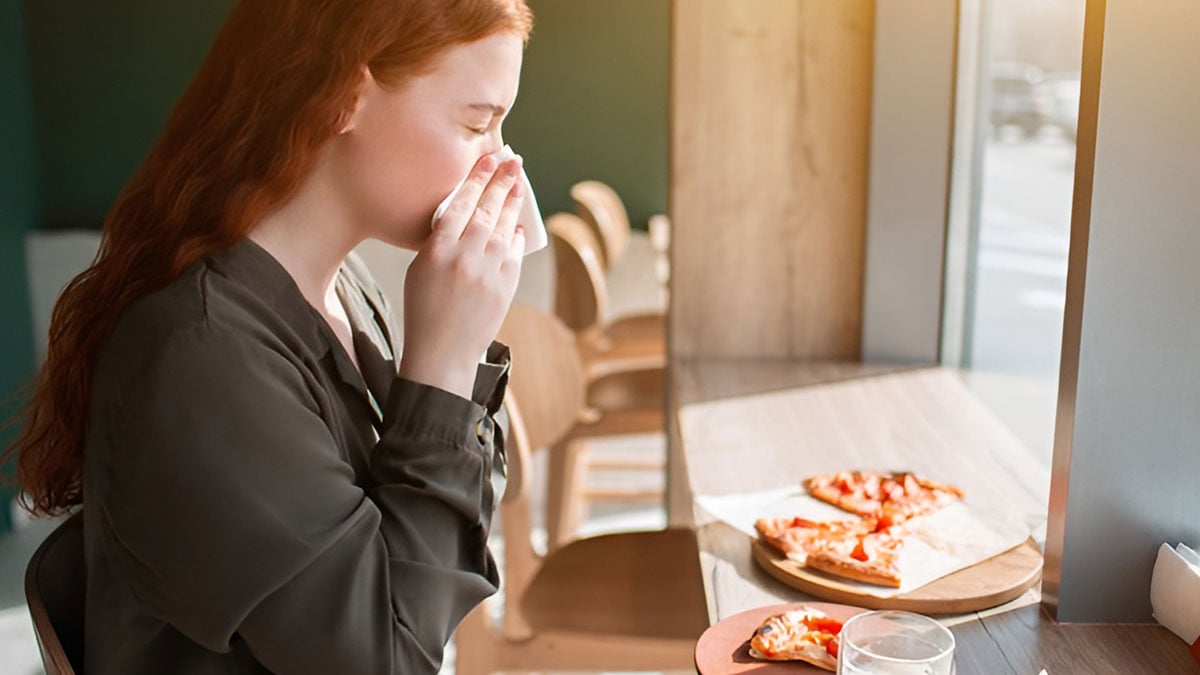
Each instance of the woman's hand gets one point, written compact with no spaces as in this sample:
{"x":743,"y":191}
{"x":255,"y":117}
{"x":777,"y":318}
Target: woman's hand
{"x":461,"y":283}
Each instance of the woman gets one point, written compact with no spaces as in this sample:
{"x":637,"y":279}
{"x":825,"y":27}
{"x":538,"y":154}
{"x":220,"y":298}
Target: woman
{"x":264,"y":487}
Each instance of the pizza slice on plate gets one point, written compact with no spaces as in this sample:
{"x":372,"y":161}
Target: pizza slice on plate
{"x":803,"y":634}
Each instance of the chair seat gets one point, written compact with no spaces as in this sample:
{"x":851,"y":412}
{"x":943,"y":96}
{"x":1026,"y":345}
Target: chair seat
{"x":629,"y":390}
{"x":645,"y":584}
{"x":603,"y":357}
{"x":638,"y":421}
{"x":648,"y":326}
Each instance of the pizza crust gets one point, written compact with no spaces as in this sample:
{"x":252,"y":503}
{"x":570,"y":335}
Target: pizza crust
{"x":814,"y":654}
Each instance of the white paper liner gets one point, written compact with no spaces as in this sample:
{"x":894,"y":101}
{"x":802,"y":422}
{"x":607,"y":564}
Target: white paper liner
{"x":950,"y":539}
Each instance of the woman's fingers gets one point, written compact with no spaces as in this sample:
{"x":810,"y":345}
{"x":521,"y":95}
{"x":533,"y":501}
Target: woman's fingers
{"x":452,"y":223}
{"x":502,"y":235}
{"x":515,"y":255}
{"x":491,"y":206}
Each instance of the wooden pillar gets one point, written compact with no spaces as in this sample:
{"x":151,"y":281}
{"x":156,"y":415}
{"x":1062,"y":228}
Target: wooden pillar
{"x":770,"y":117}
{"x":770,"y":111}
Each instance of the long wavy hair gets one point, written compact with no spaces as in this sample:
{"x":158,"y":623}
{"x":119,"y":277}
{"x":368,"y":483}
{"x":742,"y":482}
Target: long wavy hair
{"x":274,"y":89}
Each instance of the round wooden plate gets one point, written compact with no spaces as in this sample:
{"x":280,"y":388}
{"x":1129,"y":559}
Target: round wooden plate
{"x":992,"y":582}
{"x":724,"y":649}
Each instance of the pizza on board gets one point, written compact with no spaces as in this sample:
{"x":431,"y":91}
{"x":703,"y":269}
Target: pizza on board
{"x":891,"y":498}
{"x":868,"y":548}
{"x":855,"y":549}
{"x":873,"y":558}
{"x":797,"y":537}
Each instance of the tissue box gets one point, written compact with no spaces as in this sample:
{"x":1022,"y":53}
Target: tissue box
{"x":1175,"y":593}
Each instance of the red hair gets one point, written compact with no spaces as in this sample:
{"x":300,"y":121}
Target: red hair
{"x":275,"y":88}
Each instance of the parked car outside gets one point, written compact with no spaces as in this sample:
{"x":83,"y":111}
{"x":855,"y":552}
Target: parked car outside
{"x":1063,"y":92}
{"x":1017,"y":98}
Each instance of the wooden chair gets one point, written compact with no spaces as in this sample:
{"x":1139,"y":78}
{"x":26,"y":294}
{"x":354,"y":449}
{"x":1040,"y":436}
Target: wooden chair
{"x":629,"y":601}
{"x":624,"y":367}
{"x":602,"y":209}
{"x":54,"y":588}
{"x":581,"y":298}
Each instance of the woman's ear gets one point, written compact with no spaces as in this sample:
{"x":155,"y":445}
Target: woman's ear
{"x":365,"y":82}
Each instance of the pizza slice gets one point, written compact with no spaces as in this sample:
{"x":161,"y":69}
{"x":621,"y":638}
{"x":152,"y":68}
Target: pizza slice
{"x":797,"y":537}
{"x":890,"y":498}
{"x":803,"y":634}
{"x":872,"y":558}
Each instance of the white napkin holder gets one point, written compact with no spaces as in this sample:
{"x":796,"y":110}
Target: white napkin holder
{"x":1175,"y":593}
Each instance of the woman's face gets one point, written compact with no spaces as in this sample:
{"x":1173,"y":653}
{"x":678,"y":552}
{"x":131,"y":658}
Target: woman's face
{"x":407,"y":147}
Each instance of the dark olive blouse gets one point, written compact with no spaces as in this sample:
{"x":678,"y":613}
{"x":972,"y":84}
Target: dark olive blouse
{"x":253,"y":504}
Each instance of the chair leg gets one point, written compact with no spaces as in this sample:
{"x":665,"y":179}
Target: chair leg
{"x":475,"y":644}
{"x":565,"y":486}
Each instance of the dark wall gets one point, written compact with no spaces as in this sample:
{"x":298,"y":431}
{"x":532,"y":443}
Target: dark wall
{"x":105,"y":75}
{"x":593,"y":101}
{"x":18,"y":213}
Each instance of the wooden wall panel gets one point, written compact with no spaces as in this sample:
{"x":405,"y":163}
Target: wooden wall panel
{"x":770,"y":119}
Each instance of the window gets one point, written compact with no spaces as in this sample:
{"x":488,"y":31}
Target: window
{"x":1018,"y":189}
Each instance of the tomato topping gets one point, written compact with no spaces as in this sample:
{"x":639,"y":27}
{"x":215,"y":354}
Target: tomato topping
{"x":826,"y":625}
{"x":832,"y":648}
{"x":860,"y":553}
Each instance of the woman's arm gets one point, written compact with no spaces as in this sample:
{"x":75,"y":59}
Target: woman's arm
{"x":236,"y":517}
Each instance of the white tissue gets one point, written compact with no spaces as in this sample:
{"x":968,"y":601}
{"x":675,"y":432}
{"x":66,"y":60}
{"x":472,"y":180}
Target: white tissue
{"x":1175,"y":591}
{"x":530,"y":217}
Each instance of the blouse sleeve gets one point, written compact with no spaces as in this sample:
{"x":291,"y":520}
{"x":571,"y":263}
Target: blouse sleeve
{"x":237,"y":519}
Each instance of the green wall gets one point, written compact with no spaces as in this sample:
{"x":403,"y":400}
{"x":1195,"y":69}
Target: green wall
{"x":593,"y":100}
{"x":105,"y":75}
{"x":18,"y":213}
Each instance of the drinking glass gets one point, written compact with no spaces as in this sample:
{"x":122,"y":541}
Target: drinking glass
{"x":895,"y":643}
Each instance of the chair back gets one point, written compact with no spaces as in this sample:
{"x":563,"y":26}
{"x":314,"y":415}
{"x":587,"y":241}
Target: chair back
{"x":547,"y":379}
{"x":543,"y":403}
{"x":580,"y":296}
{"x":55,"y":586}
{"x":601,"y":208}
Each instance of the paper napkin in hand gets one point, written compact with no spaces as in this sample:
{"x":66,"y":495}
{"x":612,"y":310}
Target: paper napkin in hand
{"x":530,"y":217}
{"x":1175,"y":591}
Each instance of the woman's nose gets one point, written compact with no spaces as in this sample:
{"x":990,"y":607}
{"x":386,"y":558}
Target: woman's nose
{"x":495,"y":142}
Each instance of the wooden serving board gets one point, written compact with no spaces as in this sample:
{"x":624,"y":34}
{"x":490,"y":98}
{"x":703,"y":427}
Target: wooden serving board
{"x":992,"y":582}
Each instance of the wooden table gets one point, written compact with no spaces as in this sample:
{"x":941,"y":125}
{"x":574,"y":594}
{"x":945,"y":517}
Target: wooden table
{"x":743,"y":426}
